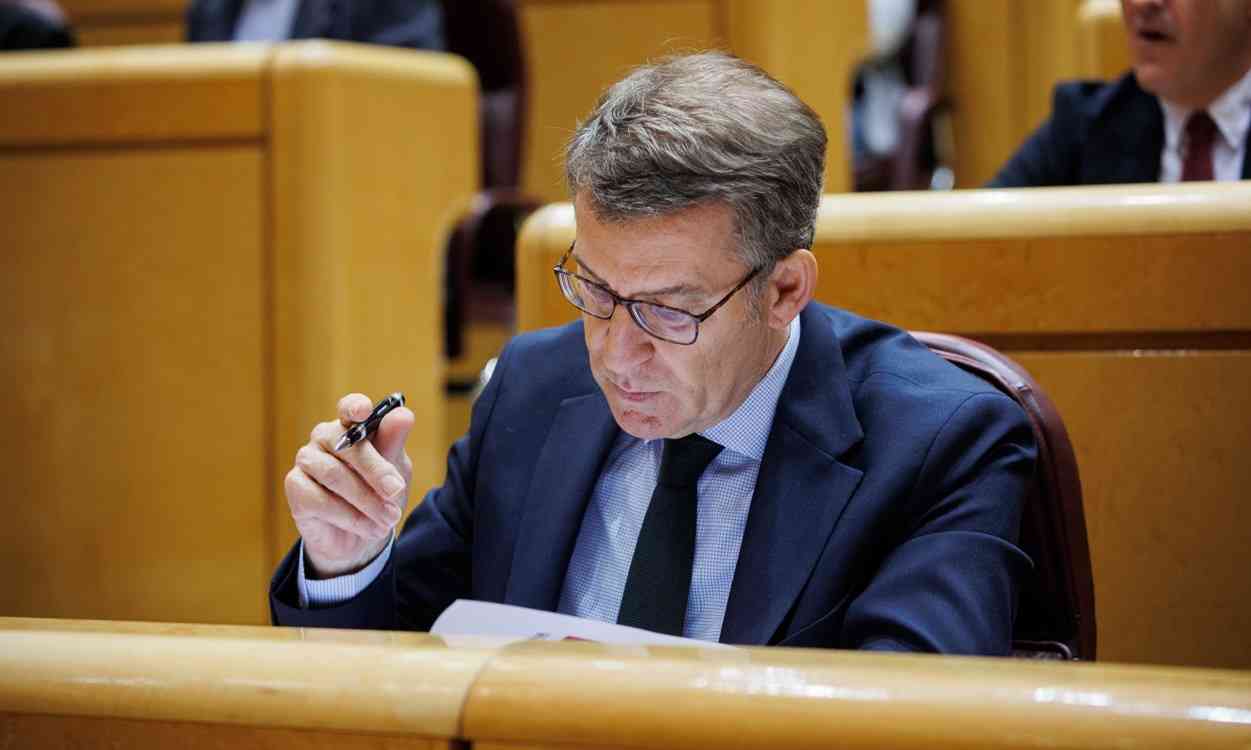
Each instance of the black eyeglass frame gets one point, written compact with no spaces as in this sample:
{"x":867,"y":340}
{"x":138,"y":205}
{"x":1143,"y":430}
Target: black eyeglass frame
{"x":630,"y":304}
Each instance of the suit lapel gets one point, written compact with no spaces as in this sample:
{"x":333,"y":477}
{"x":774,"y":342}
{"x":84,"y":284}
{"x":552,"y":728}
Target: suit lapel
{"x":1127,"y":146}
{"x":802,"y":488}
{"x":569,"y":463}
{"x":216,"y":20}
{"x":313,"y":20}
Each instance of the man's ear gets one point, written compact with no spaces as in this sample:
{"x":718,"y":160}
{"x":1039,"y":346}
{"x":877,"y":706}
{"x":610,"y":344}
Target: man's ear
{"x":791,"y":286}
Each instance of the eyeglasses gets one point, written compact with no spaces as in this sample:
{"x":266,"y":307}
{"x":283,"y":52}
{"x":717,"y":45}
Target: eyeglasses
{"x":664,"y":322}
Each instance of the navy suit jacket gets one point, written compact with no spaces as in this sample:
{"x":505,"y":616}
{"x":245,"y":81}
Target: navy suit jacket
{"x":1098,"y":134}
{"x":397,"y":23}
{"x":885,"y":515}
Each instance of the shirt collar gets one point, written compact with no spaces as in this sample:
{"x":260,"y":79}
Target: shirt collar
{"x":1231,"y":111}
{"x":746,"y":431}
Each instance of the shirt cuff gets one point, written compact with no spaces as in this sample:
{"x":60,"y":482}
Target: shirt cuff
{"x":331,"y":591}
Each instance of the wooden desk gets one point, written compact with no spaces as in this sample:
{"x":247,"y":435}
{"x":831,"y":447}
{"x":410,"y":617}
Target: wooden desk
{"x":559,"y":695}
{"x":205,"y":247}
{"x":81,"y":684}
{"x":98,"y":684}
{"x":1128,"y":304}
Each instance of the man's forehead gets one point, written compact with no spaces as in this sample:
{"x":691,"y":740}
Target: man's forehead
{"x":655,"y":276}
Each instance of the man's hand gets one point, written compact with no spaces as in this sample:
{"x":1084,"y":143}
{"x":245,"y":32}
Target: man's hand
{"x":345,"y":504}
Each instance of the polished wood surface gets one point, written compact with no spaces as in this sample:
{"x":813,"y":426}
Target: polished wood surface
{"x":134,"y":94}
{"x":207,"y":685}
{"x":106,"y":23}
{"x":207,"y":246}
{"x":98,"y":684}
{"x":1128,"y":305}
{"x":1104,"y":46}
{"x":599,"y":696}
{"x":131,"y":334}
{"x":89,"y":733}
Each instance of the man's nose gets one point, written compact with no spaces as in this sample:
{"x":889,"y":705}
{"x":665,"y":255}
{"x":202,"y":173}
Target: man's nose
{"x":626,"y":345}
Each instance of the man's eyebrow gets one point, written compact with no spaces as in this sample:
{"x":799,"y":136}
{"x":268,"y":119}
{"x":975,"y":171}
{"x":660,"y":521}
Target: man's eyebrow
{"x":682,"y":288}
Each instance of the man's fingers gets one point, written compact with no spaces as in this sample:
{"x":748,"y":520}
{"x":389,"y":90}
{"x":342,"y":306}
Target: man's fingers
{"x":354,"y":407}
{"x":342,"y":480}
{"x":311,"y":501}
{"x":391,"y":434}
{"x":384,"y":478}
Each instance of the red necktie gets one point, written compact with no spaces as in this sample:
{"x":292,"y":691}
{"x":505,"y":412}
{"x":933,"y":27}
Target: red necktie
{"x":1200,"y":135}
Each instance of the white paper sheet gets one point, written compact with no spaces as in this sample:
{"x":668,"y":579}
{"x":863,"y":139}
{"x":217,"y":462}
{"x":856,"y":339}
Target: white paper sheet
{"x":469,"y":617}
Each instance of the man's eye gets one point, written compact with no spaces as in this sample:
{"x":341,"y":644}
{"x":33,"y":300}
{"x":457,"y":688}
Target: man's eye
{"x":666,"y":315}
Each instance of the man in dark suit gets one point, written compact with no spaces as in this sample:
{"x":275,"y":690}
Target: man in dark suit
{"x":397,"y":23}
{"x":708,"y":452}
{"x":1182,"y":114}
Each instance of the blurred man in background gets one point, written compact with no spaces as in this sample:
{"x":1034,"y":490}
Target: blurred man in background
{"x":33,"y":24}
{"x":1181,"y":114}
{"x":397,"y":23}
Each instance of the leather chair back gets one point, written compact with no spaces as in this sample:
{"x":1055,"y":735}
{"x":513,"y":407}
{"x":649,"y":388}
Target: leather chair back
{"x":1056,"y":615}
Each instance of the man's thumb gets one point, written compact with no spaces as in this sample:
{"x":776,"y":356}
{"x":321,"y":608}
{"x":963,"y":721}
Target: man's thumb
{"x":391,"y":434}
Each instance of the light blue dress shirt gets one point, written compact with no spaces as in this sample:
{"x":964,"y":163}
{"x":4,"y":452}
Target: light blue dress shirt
{"x":266,"y":20}
{"x":596,"y":577}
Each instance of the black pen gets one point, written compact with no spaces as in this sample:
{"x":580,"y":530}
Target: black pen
{"x":362,"y":430}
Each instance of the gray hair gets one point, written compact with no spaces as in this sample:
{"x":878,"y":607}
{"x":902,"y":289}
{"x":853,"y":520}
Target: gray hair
{"x":699,"y":129}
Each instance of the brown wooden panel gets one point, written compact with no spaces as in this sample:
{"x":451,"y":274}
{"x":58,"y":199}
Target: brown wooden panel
{"x":374,"y":156}
{"x":1161,"y":439}
{"x":113,"y":8}
{"x":577,"y":695}
{"x":139,"y":94}
{"x":142,"y":31}
{"x":820,"y":71}
{"x":207,"y":684}
{"x":133,"y":454}
{"x":1054,"y":286}
{"x":1003,"y":59}
{"x":577,"y":49}
{"x":81,"y":733}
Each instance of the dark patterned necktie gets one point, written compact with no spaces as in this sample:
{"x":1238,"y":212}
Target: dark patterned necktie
{"x":1200,"y":136}
{"x":660,"y":573}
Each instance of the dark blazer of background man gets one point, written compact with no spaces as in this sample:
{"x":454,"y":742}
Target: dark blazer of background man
{"x":1188,"y":55}
{"x":398,"y":23}
{"x":881,"y":487}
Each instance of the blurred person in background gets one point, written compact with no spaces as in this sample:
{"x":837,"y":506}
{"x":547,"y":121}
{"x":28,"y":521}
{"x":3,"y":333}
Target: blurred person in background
{"x":397,"y":23}
{"x":1181,"y":114}
{"x":33,"y":24}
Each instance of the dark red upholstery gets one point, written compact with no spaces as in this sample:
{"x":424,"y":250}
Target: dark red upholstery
{"x":1056,"y":616}
{"x":480,"y":262}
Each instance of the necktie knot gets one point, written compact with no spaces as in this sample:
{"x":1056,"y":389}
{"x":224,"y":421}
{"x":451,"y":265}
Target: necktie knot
{"x":685,"y":459}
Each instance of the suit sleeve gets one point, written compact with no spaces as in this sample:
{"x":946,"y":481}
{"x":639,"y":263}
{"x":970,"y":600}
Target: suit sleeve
{"x":417,"y":24}
{"x":1051,"y":155}
{"x":949,"y":584}
{"x":430,"y":561}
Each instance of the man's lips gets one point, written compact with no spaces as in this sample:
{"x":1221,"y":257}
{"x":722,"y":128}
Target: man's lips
{"x":1153,"y":36}
{"x":632,"y":395}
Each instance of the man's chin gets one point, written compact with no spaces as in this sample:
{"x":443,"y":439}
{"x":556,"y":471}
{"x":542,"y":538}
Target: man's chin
{"x":640,"y":423}
{"x":1152,"y":77}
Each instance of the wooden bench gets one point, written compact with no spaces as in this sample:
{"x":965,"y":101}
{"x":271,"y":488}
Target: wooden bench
{"x":206,"y":246}
{"x":71,"y":684}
